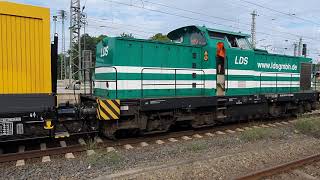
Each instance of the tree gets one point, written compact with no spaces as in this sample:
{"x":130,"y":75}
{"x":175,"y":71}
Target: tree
{"x":160,"y":37}
{"x":90,"y":44}
{"x":126,"y":35}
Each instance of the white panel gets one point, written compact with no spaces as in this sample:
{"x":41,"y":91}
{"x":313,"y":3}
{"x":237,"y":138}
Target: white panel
{"x":154,"y":84}
{"x":153,"y":70}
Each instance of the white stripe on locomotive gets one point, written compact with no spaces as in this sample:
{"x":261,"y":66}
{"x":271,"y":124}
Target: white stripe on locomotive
{"x":187,"y":84}
{"x":164,"y":70}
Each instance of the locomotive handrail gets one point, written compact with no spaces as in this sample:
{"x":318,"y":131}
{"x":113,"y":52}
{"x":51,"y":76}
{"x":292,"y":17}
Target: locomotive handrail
{"x":315,"y":84}
{"x":277,"y":83}
{"x":111,"y":81}
{"x":175,"y":78}
{"x":107,"y":81}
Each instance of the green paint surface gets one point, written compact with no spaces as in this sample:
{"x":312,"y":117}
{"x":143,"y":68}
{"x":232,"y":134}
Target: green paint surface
{"x":250,"y":65}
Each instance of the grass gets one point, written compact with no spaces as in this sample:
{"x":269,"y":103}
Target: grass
{"x":114,"y":158}
{"x":110,"y":159}
{"x":260,"y":133}
{"x":309,"y":126}
{"x":196,"y":146}
{"x":91,"y":144}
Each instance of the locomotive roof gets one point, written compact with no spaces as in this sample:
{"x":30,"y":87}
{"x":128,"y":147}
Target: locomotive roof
{"x":175,"y":34}
{"x":228,"y":32}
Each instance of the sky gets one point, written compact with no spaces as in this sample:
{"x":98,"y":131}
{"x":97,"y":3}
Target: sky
{"x":279,"y":24}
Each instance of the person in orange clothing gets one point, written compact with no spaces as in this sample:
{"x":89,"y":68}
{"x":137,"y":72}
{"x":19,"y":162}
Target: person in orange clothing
{"x":221,"y":52}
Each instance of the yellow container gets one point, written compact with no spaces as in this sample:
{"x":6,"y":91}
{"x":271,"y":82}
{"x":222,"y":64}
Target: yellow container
{"x":25,"y":63}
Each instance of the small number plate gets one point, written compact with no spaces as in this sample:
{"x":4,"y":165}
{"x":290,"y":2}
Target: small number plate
{"x":124,"y":108}
{"x":6,"y":129}
{"x":4,"y":120}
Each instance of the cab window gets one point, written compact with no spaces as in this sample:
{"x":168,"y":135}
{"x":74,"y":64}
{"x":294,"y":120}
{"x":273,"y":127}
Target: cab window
{"x":239,"y":42}
{"x":243,"y":43}
{"x":196,"y":38}
{"x":179,"y":40}
{"x":216,"y":35}
{"x":232,"y":41}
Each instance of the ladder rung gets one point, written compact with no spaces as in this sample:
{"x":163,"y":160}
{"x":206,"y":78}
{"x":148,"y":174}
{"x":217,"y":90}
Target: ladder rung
{"x":222,"y":108}
{"x":221,"y":117}
{"x":61,"y":135}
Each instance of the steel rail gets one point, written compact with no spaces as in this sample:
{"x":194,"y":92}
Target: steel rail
{"x":40,"y":153}
{"x":114,"y":143}
{"x":280,"y":168}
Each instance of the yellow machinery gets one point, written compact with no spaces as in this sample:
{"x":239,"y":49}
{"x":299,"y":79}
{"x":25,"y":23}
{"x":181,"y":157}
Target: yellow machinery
{"x":27,"y":70}
{"x":26,"y":83}
{"x":25,"y":63}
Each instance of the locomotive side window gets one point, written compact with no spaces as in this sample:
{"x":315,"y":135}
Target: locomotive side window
{"x":179,"y":40}
{"x":216,"y":35}
{"x":197,"y":38}
{"x":233,"y":41}
{"x":243,"y":43}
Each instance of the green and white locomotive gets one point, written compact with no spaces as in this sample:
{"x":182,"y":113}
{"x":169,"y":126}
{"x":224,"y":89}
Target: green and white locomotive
{"x":201,"y":78}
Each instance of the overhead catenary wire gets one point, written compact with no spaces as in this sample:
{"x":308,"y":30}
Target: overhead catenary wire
{"x":124,"y":24}
{"x":193,"y":12}
{"x":276,"y":15}
{"x":138,"y":30}
{"x":155,"y":32}
{"x":226,"y":19}
{"x":147,"y":33}
{"x":169,"y":13}
{"x":150,"y":33}
{"x":114,"y":29}
{"x":202,"y":20}
{"x":85,"y":3}
{"x":280,"y":12}
{"x":237,"y":4}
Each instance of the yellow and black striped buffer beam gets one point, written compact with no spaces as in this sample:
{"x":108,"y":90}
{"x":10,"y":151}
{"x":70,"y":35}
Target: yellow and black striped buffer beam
{"x":108,"y":109}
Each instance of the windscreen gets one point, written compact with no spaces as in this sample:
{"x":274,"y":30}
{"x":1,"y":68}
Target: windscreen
{"x":243,"y":43}
{"x":196,"y":38}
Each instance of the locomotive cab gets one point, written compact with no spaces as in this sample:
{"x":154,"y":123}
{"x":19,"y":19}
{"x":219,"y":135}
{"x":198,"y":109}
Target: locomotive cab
{"x":190,"y":35}
{"x":221,"y":50}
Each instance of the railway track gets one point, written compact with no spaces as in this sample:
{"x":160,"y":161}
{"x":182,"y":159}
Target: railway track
{"x":286,"y":169}
{"x":83,"y":144}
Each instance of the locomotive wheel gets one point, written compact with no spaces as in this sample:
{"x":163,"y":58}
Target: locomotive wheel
{"x":307,"y":107}
{"x":275,"y":111}
{"x":300,"y":109}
